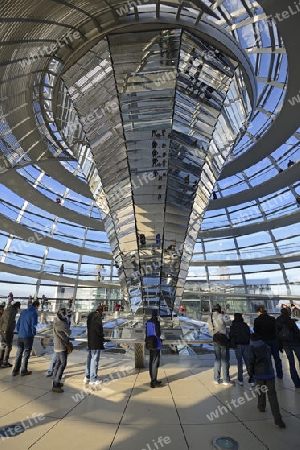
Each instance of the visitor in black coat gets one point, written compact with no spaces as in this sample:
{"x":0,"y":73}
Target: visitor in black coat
{"x":288,"y":337}
{"x":264,"y":325}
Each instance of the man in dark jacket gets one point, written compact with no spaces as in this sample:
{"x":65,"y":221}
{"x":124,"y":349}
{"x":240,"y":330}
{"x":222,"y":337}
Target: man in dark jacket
{"x":8,"y":324}
{"x":264,"y":325}
{"x":288,"y":337}
{"x":26,"y":328}
{"x":95,"y":345}
{"x":153,"y":329}
{"x":260,"y":367}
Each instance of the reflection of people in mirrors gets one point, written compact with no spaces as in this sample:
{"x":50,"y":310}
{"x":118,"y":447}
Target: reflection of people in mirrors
{"x":172,"y":247}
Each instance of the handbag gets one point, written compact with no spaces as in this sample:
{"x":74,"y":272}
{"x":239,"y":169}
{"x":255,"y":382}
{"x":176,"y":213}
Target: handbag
{"x":69,"y":347}
{"x":220,"y":339}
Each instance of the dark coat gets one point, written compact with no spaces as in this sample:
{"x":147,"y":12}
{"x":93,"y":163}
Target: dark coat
{"x":95,"y":331}
{"x":8,"y":321}
{"x":280,"y":323}
{"x":260,"y":363}
{"x":239,"y":333}
{"x":264,"y":325}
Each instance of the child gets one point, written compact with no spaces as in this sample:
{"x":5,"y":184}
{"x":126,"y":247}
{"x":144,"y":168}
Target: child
{"x":260,"y":367}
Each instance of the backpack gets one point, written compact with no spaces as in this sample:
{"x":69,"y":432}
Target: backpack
{"x":286,"y":333}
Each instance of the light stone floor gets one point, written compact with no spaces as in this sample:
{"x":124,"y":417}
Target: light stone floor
{"x":126,"y":414}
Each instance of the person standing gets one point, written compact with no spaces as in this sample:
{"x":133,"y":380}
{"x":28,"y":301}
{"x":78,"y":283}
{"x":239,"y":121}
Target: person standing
{"x":49,"y":373}
{"x":95,"y":345}
{"x":288,"y":337}
{"x":217,"y":322}
{"x":260,"y":367}
{"x":264,"y":325}
{"x":240,"y":340}
{"x":61,"y":333}
{"x":8,"y":324}
{"x":26,"y":329}
{"x":153,"y":329}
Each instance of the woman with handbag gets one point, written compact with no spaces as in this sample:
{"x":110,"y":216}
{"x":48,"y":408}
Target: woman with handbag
{"x":217,"y":322}
{"x":61,"y":332}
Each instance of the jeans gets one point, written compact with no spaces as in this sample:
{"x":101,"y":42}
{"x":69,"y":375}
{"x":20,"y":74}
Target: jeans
{"x":91,"y":369}
{"x":275,"y":353}
{"x":290,"y":350}
{"x":52,"y":364}
{"x":154,"y":362}
{"x":6,"y":346}
{"x":242,"y":352}
{"x":272,"y":397}
{"x":59,"y":367}
{"x":222,"y":361}
{"x":24,"y":346}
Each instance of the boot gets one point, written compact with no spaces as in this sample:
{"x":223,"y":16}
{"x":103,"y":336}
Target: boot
{"x":57,"y":389}
{"x":280,"y":423}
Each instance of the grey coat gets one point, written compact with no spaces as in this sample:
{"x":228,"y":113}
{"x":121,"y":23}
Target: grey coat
{"x":61,"y":331}
{"x":217,"y":322}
